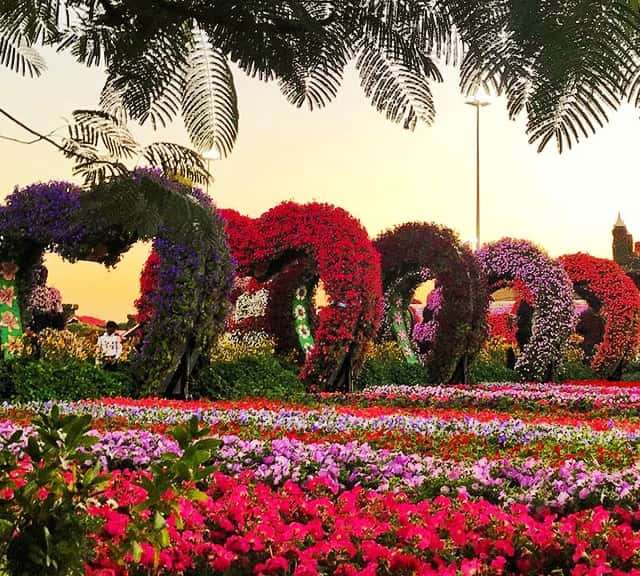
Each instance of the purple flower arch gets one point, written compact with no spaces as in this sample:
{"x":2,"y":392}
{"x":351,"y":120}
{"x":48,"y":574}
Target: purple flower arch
{"x":190,"y":301}
{"x":552,"y":323}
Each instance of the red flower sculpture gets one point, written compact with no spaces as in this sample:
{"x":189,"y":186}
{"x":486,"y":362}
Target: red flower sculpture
{"x":604,"y":285}
{"x":345,"y":259}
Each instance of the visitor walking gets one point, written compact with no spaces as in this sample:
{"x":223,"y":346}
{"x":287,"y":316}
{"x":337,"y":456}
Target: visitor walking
{"x":109,"y":347}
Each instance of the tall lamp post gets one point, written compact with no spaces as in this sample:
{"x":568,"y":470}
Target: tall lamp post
{"x":478,"y":103}
{"x":210,"y":155}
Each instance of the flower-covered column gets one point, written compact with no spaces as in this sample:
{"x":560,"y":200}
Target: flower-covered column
{"x":10,"y":324}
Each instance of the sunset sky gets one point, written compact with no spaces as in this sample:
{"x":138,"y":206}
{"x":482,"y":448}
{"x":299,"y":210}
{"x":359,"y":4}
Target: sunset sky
{"x":350,"y":156}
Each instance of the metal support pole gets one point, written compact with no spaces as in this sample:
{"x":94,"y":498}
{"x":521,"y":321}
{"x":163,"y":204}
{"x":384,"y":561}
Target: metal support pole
{"x":477,"y":176}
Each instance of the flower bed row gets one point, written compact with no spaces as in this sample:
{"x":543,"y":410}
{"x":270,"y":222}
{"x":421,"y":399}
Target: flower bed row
{"x":570,"y":487}
{"x":179,"y":519}
{"x":448,"y":434}
{"x":615,"y":399}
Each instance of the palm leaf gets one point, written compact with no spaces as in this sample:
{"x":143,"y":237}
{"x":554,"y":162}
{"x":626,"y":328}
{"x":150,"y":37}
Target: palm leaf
{"x":176,"y":159}
{"x":400,"y":92}
{"x":209,"y":104}
{"x":142,"y":69}
{"x":35,"y":21}
{"x":568,"y":65}
{"x":20,"y":58}
{"x":94,"y":126}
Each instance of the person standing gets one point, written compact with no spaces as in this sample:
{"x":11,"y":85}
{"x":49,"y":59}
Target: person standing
{"x":109,"y":347}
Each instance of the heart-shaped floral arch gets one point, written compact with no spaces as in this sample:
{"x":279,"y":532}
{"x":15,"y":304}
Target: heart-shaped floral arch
{"x":614,"y":296}
{"x":321,"y":242}
{"x":194,"y":271}
{"x":509,"y":260}
{"x":412,"y":253}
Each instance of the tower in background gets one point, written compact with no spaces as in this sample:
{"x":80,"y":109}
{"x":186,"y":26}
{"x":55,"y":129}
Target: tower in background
{"x":623,"y":251}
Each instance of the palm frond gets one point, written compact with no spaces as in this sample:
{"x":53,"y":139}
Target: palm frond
{"x":400,"y":92}
{"x":568,"y":65}
{"x":35,"y":21}
{"x":141,"y":69}
{"x":20,"y":58}
{"x":111,"y":102}
{"x":315,"y":75}
{"x":92,"y":127}
{"x":209,"y":103}
{"x":176,"y":159}
{"x":90,"y":164}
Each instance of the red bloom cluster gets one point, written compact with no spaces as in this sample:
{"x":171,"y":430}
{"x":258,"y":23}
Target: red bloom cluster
{"x":503,"y":325}
{"x":345,"y":259}
{"x":248,"y":527}
{"x":604,"y":282}
{"x":148,"y":285}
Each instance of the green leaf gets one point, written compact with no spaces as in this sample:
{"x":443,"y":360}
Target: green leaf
{"x":158,"y":521}
{"x":197,"y":495}
{"x":136,"y":552}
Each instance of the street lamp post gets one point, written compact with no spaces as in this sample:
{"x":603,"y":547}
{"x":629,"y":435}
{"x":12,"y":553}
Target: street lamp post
{"x":477,"y":103}
{"x":210,"y":155}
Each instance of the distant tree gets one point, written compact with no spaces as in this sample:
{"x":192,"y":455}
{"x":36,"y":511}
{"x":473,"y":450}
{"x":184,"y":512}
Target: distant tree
{"x":564,"y":63}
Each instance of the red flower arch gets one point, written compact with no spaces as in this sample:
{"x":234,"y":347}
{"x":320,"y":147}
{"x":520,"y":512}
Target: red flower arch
{"x":344,"y":258}
{"x":602,"y":283}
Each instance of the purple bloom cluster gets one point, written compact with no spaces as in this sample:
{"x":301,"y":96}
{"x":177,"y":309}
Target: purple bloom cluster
{"x":43,"y":214}
{"x":509,"y":259}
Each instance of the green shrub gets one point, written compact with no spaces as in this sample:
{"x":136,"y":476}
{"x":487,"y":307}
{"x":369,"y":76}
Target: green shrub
{"x":576,"y":370}
{"x":256,"y":376}
{"x":381,"y":372}
{"x":39,"y":380}
{"x":491,"y":370}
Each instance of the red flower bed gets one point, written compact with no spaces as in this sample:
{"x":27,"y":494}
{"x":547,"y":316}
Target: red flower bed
{"x":603,"y":282}
{"x":345,"y":260}
{"x":247,"y":527}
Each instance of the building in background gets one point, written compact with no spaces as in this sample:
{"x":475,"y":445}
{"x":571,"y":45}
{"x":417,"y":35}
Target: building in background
{"x":625,"y":252}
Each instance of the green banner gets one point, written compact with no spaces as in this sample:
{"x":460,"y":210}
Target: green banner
{"x":10,"y":324}
{"x":300,"y":309}
{"x":400,"y":319}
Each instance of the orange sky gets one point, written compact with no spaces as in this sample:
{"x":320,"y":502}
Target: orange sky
{"x":348,"y":155}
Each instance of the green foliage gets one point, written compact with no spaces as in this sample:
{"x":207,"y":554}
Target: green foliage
{"x":44,"y":526}
{"x":491,"y":364}
{"x":377,"y":372}
{"x":40,"y":380}
{"x":385,"y":364}
{"x":565,"y":65}
{"x":491,"y":370}
{"x":172,"y":477}
{"x":576,"y":370}
{"x":257,"y":376}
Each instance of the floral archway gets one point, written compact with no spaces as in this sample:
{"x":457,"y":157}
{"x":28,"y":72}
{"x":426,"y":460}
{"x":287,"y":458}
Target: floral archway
{"x":307,"y":242}
{"x":615,"y":298}
{"x":412,"y":253}
{"x":551,"y":290}
{"x":193,"y":275}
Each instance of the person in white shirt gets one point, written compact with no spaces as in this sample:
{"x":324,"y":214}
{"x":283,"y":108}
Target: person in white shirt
{"x":109,"y":347}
